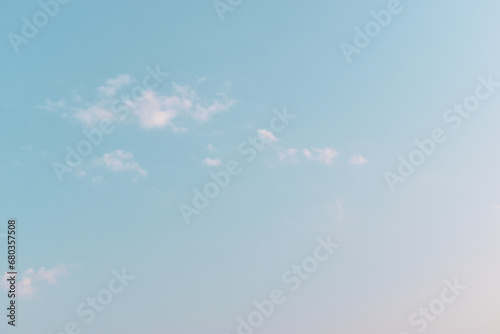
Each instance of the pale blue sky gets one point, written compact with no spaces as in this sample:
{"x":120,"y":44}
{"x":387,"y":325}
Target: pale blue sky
{"x":120,"y":208}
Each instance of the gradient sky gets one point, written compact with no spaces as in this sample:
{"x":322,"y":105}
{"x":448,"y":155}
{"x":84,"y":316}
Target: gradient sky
{"x":323,"y":174}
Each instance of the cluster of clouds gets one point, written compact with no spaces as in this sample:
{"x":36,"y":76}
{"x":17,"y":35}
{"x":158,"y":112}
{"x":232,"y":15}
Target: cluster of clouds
{"x":147,"y":107}
{"x":123,"y":100}
{"x":30,"y":280}
{"x":324,"y":155}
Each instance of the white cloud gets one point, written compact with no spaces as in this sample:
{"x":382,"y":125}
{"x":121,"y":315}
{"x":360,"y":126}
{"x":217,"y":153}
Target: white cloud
{"x":121,"y":161}
{"x":27,"y":281}
{"x":156,"y":111}
{"x":267,"y":136}
{"x":358,"y":160}
{"x":111,"y":86}
{"x":152,"y":110}
{"x":204,"y":111}
{"x":51,"y":275}
{"x":93,"y":114}
{"x":211,"y":148}
{"x":323,"y":155}
{"x":212,"y":162}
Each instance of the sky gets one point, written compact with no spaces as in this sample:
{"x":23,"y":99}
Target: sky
{"x":224,"y":167}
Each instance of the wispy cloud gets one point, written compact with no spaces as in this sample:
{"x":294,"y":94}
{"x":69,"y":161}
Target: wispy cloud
{"x":111,"y":86}
{"x":53,"y":106}
{"x":121,"y":161}
{"x":358,"y":159}
{"x":28,"y":282}
{"x":212,"y":162}
{"x":288,"y":155}
{"x":323,"y":155}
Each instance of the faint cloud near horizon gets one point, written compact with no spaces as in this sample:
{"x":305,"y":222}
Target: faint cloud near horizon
{"x":30,"y":280}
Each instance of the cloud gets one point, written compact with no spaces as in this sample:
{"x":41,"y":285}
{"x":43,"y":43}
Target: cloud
{"x":28,"y":281}
{"x":211,"y":148}
{"x":267,"y":136}
{"x":212,"y":162}
{"x":358,"y":160}
{"x":111,"y":86}
{"x":53,"y":106}
{"x":51,"y":275}
{"x":121,"y":161}
{"x":204,"y":111}
{"x":149,"y":108}
{"x":323,"y":155}
{"x":156,"y":111}
{"x":294,"y":155}
{"x":93,"y":114}
{"x":288,"y":155}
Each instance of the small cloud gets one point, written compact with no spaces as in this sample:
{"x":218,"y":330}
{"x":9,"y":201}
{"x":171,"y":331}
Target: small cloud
{"x":358,"y":160}
{"x":267,"y":136}
{"x":212,"y":162}
{"x":121,"y":161}
{"x":323,"y":155}
{"x":288,"y":155}
{"x":111,"y":86}
{"x":203,"y":111}
{"x":51,"y":275}
{"x":53,"y":106}
{"x":27,"y":281}
{"x":93,"y":114}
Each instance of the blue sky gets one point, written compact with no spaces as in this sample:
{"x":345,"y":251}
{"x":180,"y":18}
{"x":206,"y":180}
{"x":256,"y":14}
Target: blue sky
{"x":323,"y":174}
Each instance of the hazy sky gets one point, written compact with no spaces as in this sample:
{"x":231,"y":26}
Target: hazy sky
{"x":308,"y":132}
